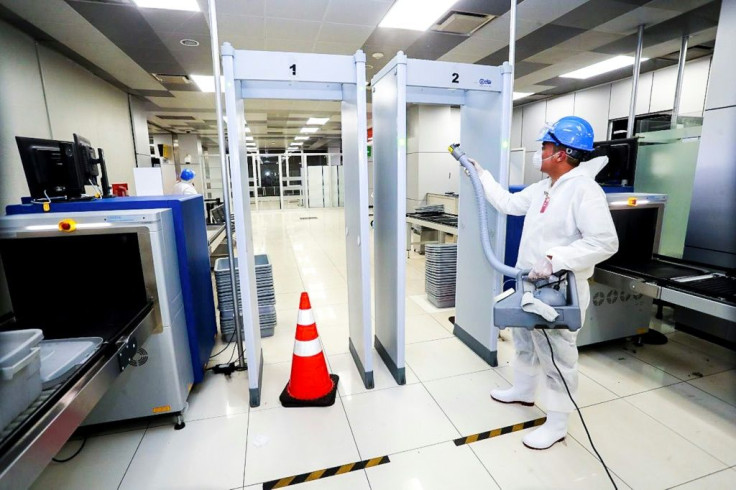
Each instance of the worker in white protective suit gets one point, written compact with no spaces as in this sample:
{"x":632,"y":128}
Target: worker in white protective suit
{"x":568,"y":226}
{"x":184,"y":186}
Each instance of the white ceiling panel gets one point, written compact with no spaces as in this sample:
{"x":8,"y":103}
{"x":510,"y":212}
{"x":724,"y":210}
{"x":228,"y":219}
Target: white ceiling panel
{"x":544,"y":11}
{"x":59,"y":20}
{"x":498,"y":28}
{"x":301,"y":30}
{"x":344,"y":33}
{"x":297,"y":9}
{"x":680,"y":5}
{"x":574,"y":62}
{"x":473,"y":49}
{"x":244,"y":26}
{"x":238,"y":7}
{"x":289,"y":45}
{"x":629,"y":22}
{"x":185,"y":100}
{"x":363,"y":12}
{"x":589,"y":40}
{"x":336,"y":48}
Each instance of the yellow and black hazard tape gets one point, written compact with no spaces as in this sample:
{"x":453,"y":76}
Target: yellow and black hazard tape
{"x":499,"y":432}
{"x":317,"y":475}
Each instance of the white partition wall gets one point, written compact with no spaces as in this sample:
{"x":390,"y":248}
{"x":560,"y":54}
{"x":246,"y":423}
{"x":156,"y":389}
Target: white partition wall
{"x":481,"y":92}
{"x":303,"y":76}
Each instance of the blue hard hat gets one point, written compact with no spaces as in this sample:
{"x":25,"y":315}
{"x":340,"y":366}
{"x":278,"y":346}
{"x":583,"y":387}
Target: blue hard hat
{"x":187,"y":174}
{"x":570,"y":131}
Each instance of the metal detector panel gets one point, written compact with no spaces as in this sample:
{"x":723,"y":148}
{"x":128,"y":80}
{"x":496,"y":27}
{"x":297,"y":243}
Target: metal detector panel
{"x":389,"y":210}
{"x":357,"y":235}
{"x":301,"y":76}
{"x":477,"y":282}
{"x":244,"y":235}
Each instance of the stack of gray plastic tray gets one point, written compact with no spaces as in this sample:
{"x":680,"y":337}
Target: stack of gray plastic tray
{"x":441,"y":274}
{"x":264,"y":290}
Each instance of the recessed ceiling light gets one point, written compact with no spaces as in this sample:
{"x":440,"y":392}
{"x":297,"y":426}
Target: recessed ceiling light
{"x":188,"y":5}
{"x":377,"y":55}
{"x":603,"y":67}
{"x":206,"y":83}
{"x":301,"y":138}
{"x":317,"y":120}
{"x":309,"y":130}
{"x":190,"y":43}
{"x":521,"y":95}
{"x":415,"y":15}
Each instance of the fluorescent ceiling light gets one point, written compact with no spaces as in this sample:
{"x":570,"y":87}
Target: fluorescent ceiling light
{"x":206,"y":83}
{"x":297,"y":144}
{"x":301,"y":138}
{"x":247,"y":129}
{"x":602,"y":67}
{"x":416,"y":15}
{"x":189,"y":5}
{"x":318,"y":120}
{"x":249,"y":138}
{"x":309,"y":130}
{"x":521,"y":95}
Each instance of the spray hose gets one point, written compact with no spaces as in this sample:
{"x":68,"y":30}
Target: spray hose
{"x":460,"y":156}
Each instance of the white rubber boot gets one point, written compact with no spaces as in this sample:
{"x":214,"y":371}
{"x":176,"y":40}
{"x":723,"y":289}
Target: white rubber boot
{"x":552,"y":431}
{"x":522,"y":391}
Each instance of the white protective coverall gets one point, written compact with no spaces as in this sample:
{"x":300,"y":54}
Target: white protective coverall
{"x":574,"y":228}
{"x":185,"y":188}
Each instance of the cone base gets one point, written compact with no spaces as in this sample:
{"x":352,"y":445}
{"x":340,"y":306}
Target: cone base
{"x":328,"y":400}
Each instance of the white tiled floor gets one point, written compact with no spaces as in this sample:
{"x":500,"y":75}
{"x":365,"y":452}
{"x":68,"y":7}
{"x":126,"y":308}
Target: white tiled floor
{"x":661,"y":416}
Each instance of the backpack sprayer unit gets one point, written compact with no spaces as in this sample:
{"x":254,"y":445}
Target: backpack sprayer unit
{"x":558,"y":291}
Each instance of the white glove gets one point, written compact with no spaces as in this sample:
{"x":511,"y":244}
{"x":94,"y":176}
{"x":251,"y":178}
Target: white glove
{"x":477,"y":166}
{"x":541,"y":270}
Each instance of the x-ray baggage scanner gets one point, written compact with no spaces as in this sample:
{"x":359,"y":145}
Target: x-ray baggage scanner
{"x":484,"y":96}
{"x":303,"y":76}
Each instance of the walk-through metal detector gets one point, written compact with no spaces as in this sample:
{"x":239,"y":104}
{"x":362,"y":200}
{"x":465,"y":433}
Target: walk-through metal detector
{"x":303,"y":76}
{"x":483,"y":94}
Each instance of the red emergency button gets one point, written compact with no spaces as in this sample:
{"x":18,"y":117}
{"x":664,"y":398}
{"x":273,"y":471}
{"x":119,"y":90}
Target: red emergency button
{"x":67,"y":225}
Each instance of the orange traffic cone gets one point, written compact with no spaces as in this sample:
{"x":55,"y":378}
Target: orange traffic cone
{"x":310,"y":384}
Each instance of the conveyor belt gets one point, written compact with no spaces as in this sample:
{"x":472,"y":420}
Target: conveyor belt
{"x":439,"y":218}
{"x":676,"y":281}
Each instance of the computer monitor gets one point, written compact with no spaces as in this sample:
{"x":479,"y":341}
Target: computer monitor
{"x":57,"y":170}
{"x":50,"y":169}
{"x":84,"y":156}
{"x":621,"y":167}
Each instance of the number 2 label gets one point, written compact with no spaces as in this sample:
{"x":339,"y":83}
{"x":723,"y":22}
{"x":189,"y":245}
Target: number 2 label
{"x":455,"y":78}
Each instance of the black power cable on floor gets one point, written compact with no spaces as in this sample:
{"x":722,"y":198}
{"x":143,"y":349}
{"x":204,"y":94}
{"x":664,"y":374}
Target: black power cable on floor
{"x":578,"y":409}
{"x":84,"y":441}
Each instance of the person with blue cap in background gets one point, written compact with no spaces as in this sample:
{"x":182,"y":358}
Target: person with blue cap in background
{"x":184,"y":185}
{"x":567,"y":226}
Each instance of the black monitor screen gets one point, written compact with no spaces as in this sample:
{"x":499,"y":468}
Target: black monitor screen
{"x":621,"y":166}
{"x":50,"y":168}
{"x":56,"y":284}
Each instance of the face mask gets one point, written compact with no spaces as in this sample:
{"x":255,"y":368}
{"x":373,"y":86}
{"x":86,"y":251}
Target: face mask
{"x":537,"y":159}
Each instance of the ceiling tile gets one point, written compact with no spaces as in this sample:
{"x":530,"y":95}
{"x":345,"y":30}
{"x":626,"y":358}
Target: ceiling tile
{"x":289,"y":45}
{"x":239,"y":7}
{"x":302,"y":30}
{"x":363,"y":12}
{"x":335,"y":48}
{"x":629,"y":22}
{"x":543,"y":11}
{"x":592,"y":13}
{"x":297,"y":9}
{"x":344,"y":33}
{"x":589,"y":40}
